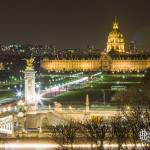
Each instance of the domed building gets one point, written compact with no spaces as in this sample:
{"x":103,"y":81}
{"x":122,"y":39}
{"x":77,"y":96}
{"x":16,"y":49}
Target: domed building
{"x":114,"y":59}
{"x":115,"y":39}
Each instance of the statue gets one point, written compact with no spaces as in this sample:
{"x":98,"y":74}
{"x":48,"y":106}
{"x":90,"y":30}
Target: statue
{"x":29,"y":64}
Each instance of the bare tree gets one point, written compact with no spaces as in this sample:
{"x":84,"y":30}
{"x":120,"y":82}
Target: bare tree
{"x":95,"y":129}
{"x":65,"y":134}
{"x":138,"y":118}
{"x":119,"y":131}
{"x":137,"y":99}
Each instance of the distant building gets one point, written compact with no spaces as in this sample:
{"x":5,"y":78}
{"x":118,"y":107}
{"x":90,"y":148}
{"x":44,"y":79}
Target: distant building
{"x":115,"y":58}
{"x":132,"y":47}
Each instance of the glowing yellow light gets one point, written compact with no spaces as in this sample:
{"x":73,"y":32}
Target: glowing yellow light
{"x":70,"y":107}
{"x":9,"y":108}
{"x":4,"y":109}
{"x":35,"y":145}
{"x":128,"y":108}
{"x":20,"y":102}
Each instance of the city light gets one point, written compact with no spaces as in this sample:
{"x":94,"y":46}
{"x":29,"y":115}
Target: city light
{"x":38,"y":98}
{"x":38,"y":85}
{"x":35,"y":145}
{"x":128,"y":107}
{"x":20,"y":103}
{"x":19,"y":94}
{"x":62,"y":88}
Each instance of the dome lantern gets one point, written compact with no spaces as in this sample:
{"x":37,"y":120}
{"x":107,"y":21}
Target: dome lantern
{"x":115,"y":24}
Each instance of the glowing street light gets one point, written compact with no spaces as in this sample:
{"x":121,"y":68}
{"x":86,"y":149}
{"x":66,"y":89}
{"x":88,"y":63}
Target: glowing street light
{"x":128,"y":107}
{"x":37,"y":85}
{"x":19,"y":94}
{"x":38,"y":97}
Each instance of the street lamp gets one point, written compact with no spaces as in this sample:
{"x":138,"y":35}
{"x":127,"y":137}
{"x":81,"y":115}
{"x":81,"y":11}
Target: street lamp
{"x":128,"y":107}
{"x":19,"y":94}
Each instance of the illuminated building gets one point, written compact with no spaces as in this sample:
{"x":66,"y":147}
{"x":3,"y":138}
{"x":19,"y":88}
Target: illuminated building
{"x":115,"y":39}
{"x":115,"y":58}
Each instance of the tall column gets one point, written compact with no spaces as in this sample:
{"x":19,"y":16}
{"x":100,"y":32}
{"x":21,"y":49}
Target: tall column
{"x":87,"y":106}
{"x":30,"y":83}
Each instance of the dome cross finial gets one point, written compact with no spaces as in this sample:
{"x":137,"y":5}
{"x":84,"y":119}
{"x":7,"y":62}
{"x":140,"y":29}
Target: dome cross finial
{"x":115,"y":19}
{"x":115,"y":24}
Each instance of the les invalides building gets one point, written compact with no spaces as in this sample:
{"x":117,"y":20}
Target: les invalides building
{"x":115,"y":39}
{"x":115,"y":58}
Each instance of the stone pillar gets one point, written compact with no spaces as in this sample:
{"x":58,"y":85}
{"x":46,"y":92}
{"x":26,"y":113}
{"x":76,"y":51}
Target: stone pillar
{"x":30,"y":87}
{"x":87,"y":106}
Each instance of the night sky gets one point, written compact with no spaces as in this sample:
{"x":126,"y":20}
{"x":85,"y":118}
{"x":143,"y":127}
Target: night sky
{"x":73,"y":23}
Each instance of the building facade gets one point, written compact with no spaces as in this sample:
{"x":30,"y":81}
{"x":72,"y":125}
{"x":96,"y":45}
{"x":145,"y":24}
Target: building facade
{"x":105,"y":63}
{"x":115,"y":58}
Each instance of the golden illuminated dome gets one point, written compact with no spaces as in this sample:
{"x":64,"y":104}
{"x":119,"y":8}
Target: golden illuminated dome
{"x":115,"y":39}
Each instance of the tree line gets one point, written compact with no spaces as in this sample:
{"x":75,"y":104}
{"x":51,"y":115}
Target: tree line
{"x":122,"y":129}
